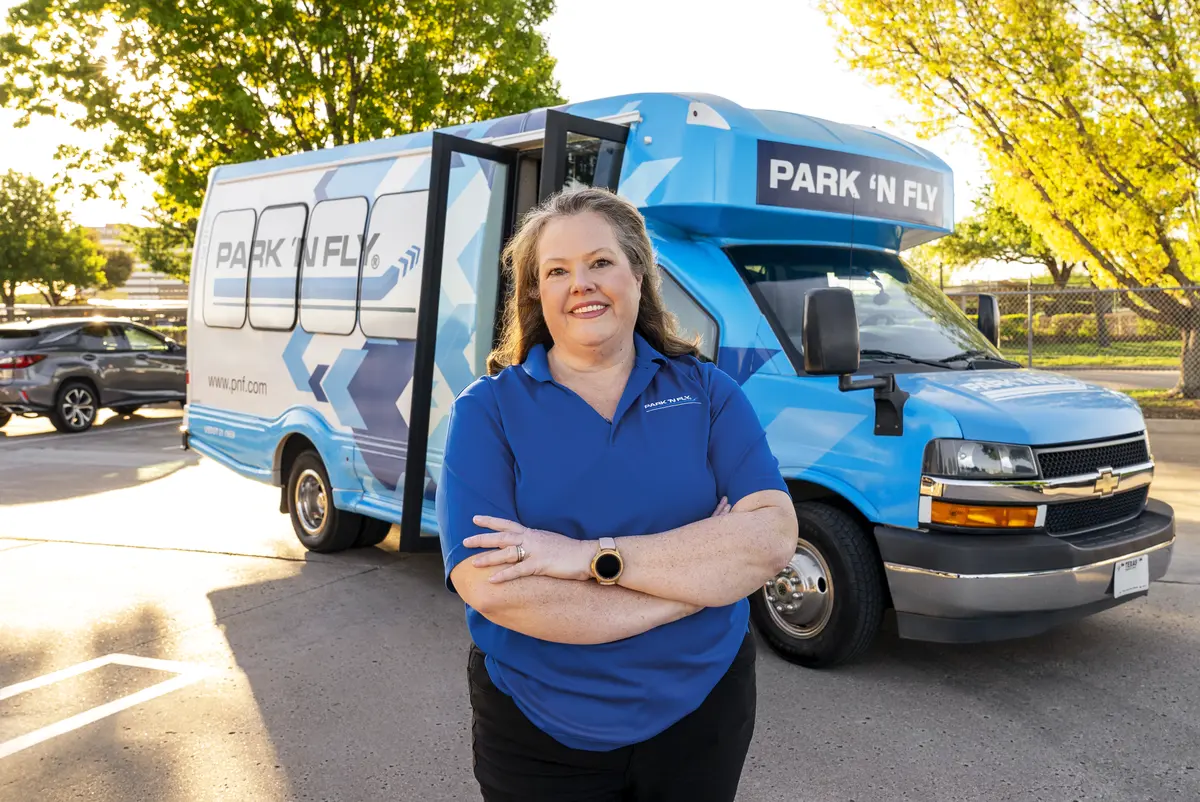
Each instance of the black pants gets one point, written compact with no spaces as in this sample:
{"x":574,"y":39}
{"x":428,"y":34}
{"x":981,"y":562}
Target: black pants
{"x":699,"y":759}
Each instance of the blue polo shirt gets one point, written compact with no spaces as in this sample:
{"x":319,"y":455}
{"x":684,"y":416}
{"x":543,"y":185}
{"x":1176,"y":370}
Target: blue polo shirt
{"x":521,"y":446}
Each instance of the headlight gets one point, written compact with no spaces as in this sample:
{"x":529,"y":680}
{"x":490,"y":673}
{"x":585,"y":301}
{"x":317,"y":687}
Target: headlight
{"x":968,"y":459}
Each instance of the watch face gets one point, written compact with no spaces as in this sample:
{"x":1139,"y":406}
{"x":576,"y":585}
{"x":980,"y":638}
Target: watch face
{"x":608,"y":565}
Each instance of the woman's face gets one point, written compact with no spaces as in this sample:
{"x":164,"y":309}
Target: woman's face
{"x":588,"y":291}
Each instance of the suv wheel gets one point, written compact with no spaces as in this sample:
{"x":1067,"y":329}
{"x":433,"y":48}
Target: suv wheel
{"x":75,"y":407}
{"x":5,"y":417}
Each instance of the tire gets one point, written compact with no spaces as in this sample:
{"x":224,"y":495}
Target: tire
{"x":840,"y":564}
{"x":75,"y":407}
{"x":127,"y":409}
{"x":5,"y":417}
{"x":374,"y":532}
{"x":320,"y":526}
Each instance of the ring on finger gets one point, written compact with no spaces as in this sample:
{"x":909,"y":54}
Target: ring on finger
{"x":520,"y":553}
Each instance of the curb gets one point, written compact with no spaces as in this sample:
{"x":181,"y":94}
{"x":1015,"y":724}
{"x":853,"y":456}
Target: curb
{"x":1172,"y":426}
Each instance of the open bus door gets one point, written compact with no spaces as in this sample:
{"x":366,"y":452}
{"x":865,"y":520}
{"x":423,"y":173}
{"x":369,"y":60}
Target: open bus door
{"x":476,"y":193}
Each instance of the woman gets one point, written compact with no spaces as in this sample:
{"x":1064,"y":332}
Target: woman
{"x":612,"y":657}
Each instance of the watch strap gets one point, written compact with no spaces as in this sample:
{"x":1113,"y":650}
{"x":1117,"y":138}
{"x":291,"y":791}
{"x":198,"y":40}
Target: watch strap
{"x":608,"y":543}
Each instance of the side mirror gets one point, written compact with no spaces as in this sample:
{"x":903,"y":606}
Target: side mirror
{"x":831,"y":349}
{"x":989,"y":318}
{"x":830,"y":333}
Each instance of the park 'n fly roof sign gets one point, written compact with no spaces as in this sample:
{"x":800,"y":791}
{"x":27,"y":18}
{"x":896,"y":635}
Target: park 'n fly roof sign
{"x":817,"y":179}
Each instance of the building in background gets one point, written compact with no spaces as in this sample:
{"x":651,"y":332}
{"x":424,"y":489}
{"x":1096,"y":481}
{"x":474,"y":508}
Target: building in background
{"x":143,"y":284}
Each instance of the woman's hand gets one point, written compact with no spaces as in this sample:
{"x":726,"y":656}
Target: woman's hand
{"x":546,"y":553}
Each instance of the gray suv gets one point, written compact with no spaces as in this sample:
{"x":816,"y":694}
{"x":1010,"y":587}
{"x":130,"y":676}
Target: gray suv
{"x":69,"y":369}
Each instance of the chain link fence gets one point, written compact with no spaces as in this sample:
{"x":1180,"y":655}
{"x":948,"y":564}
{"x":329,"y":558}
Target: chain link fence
{"x":1045,"y":327}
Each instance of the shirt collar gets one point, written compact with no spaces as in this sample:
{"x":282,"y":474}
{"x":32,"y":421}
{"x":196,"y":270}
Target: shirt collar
{"x":537,"y":365}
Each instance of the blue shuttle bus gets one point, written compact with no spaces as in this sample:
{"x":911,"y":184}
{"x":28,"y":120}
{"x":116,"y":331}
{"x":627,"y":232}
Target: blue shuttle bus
{"x":342,"y":298}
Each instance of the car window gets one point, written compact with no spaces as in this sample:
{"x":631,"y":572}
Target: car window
{"x":16,"y":339}
{"x":140,"y":340}
{"x":99,"y":337}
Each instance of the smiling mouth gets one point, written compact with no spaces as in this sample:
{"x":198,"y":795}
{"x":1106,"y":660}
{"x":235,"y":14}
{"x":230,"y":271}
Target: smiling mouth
{"x":589,"y":311}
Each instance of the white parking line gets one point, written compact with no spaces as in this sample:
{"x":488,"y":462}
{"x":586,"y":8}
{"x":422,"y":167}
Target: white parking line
{"x":186,"y":674}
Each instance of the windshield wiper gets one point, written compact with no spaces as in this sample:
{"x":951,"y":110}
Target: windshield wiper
{"x":970,"y":358}
{"x":875,"y":352}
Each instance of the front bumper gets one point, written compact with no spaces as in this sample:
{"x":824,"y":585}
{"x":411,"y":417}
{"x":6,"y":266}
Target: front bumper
{"x":964,"y":588}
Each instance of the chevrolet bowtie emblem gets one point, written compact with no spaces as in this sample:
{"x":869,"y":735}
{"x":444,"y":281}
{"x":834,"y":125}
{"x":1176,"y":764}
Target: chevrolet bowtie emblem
{"x":1107,"y":484}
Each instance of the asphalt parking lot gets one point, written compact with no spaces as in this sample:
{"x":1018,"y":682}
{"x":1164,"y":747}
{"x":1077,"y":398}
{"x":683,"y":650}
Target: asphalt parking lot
{"x":166,"y":638}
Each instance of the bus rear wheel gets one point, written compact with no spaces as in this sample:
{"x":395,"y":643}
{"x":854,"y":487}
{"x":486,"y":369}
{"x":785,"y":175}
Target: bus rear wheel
{"x":319,"y":525}
{"x":826,"y":607}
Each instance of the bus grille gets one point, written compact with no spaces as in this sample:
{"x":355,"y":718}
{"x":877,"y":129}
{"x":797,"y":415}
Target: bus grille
{"x":1056,"y":464}
{"x":1081,"y":516}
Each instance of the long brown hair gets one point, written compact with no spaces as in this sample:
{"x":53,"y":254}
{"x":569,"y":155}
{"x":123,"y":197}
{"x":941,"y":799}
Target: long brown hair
{"x":524,"y":325}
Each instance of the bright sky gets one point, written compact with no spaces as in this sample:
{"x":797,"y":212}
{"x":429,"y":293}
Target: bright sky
{"x":777,"y":54}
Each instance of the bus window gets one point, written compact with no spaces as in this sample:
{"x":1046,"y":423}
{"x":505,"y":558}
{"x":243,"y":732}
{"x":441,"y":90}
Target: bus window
{"x":390,"y":286}
{"x":693,"y":319}
{"x":274,"y":267}
{"x":329,"y":266}
{"x":226,"y":268}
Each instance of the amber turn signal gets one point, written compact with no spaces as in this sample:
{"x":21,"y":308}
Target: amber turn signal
{"x":983,"y":517}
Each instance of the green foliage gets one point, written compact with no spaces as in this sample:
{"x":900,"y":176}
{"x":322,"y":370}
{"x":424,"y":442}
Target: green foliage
{"x":1086,"y":112}
{"x":118,"y":266}
{"x":38,"y":246}
{"x":26,"y":208}
{"x":176,"y":333}
{"x":183,"y":87}
{"x":1081,"y":327}
{"x":995,"y":233}
{"x":72,"y":262}
{"x":166,"y":246}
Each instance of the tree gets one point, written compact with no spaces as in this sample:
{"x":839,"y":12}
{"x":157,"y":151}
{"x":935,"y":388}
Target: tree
{"x":994,"y":233}
{"x":39,"y":246}
{"x":1088,"y":114}
{"x":183,"y":87}
{"x":166,"y":245}
{"x":26,"y":208}
{"x":118,"y":267}
{"x":72,"y":262}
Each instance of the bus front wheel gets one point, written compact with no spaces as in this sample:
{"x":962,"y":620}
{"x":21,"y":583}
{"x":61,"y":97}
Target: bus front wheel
{"x":319,"y":525}
{"x":826,"y":607}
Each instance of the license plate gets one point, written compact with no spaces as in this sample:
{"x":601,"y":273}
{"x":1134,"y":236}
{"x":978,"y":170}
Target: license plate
{"x":1131,"y":576}
{"x":6,"y":374}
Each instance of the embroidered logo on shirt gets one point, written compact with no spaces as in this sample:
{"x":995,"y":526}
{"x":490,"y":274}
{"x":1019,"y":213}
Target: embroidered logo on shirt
{"x":670,"y":403}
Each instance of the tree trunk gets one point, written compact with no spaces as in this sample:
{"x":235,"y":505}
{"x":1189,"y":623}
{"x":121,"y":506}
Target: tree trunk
{"x":1189,"y":371}
{"x":1060,"y":274}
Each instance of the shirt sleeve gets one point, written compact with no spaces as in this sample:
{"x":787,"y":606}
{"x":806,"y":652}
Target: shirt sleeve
{"x":477,"y":473}
{"x":738,"y":451}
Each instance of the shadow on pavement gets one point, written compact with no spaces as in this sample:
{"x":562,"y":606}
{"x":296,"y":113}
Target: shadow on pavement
{"x":101,"y":756}
{"x":360,"y":683}
{"x":124,"y":453}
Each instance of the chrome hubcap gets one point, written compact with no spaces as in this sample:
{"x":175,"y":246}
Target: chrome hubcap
{"x":800,"y":598}
{"x":310,"y":501}
{"x":78,"y":407}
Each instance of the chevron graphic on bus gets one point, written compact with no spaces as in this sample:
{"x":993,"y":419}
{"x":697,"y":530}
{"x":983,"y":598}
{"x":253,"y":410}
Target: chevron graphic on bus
{"x":409,"y":260}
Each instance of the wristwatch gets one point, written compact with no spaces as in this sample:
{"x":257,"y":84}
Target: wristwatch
{"x":607,"y":565}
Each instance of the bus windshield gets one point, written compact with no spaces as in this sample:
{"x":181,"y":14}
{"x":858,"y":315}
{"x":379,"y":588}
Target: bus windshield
{"x":900,"y":314}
